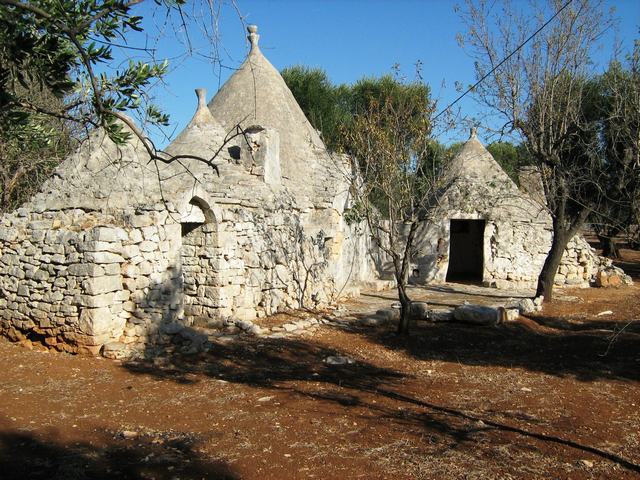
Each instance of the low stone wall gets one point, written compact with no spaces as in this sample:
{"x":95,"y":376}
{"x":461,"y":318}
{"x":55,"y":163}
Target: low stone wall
{"x":56,"y":286}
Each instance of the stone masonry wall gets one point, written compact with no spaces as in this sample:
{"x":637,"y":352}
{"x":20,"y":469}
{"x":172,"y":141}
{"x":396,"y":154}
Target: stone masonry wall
{"x":57,"y":284}
{"x":514,"y":252}
{"x":518,"y":251}
{"x":78,"y":280}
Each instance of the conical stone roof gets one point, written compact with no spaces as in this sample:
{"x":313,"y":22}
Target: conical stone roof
{"x":474,"y":163}
{"x":474,"y":181}
{"x":202,"y":136}
{"x":256,"y":94}
{"x":100,"y":174}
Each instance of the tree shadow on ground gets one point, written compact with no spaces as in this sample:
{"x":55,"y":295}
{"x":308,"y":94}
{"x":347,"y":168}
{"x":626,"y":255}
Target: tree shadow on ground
{"x":296,"y":366}
{"x":542,"y":344}
{"x":263,"y":362}
{"x":25,"y":456}
{"x":606,"y":327}
{"x":631,"y":268}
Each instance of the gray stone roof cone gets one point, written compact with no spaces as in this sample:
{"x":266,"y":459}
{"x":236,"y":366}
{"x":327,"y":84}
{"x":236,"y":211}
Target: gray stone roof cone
{"x":475,"y":163}
{"x":203,"y":135}
{"x":256,"y":94}
{"x":474,"y":181}
{"x":100,"y":174}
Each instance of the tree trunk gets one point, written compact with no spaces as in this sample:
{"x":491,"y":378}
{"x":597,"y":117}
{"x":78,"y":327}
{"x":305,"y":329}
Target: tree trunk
{"x":609,"y":246}
{"x":402,"y":278}
{"x":552,"y":262}
{"x":403,"y":325}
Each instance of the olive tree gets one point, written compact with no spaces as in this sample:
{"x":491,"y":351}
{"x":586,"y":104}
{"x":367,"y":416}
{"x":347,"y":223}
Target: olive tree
{"x":395,"y":175}
{"x":544,"y":94}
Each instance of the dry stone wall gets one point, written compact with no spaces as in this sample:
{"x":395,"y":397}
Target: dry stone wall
{"x":59,"y":283}
{"x":78,"y":280}
{"x":514,"y":253}
{"x":518,"y":250}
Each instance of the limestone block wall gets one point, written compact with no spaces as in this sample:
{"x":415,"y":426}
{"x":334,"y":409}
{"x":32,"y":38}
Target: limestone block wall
{"x":269,"y":262}
{"x":354,"y":259}
{"x":152,"y":277}
{"x":579,"y":264}
{"x":77,"y":280}
{"x":514,"y":253}
{"x":59,"y":282}
{"x":518,"y":251}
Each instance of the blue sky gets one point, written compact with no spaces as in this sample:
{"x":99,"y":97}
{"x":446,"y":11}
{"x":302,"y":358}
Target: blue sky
{"x":349,"y":39}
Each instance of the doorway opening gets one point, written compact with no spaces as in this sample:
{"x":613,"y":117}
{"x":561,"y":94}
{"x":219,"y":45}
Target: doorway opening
{"x":466,"y":251}
{"x":199,"y":272}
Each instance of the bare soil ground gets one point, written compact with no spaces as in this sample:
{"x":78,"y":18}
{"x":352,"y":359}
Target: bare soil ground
{"x":555,"y":395}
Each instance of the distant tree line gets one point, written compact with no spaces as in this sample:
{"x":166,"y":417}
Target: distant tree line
{"x":580,"y":130}
{"x":331,"y":109}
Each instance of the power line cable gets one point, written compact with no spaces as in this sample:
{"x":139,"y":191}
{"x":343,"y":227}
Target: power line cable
{"x":504,"y":59}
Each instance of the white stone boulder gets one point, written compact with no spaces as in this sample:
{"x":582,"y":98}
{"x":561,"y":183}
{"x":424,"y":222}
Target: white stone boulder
{"x":477,"y":314}
{"x":526,"y":305}
{"x":419,"y":310}
{"x":115,"y":350}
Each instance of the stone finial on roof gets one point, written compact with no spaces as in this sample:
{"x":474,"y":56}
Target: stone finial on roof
{"x":202,"y":115}
{"x":253,"y":36}
{"x":202,"y":134}
{"x":201,"y":93}
{"x":473,"y":132}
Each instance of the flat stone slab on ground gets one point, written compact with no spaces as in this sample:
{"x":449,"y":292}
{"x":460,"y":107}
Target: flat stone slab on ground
{"x":339,"y":360}
{"x":477,"y":314}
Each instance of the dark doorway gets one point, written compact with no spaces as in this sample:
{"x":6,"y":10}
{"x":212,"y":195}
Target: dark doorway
{"x":466,"y":251}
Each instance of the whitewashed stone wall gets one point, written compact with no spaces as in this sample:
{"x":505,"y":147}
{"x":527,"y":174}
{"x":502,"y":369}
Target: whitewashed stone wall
{"x":77,"y":280}
{"x":514,"y":253}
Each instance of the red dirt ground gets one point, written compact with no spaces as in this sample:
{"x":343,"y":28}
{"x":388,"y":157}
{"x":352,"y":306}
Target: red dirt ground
{"x":556,"y":395}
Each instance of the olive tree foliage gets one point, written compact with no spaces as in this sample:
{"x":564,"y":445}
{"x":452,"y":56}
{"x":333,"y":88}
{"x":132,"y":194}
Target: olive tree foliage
{"x":619,"y":110}
{"x":331,"y":108}
{"x":395,"y":176}
{"x":57,"y":75}
{"x":511,"y":157}
{"x":543,"y":94}
{"x":31,"y":150}
{"x":59,"y":46}
{"x":325,"y":105}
